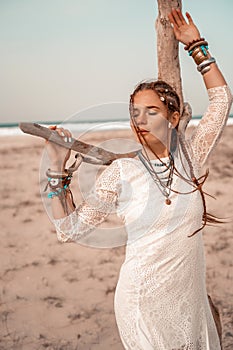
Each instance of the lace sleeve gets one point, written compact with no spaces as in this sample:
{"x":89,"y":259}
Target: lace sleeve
{"x":100,"y":202}
{"x":207,"y":134}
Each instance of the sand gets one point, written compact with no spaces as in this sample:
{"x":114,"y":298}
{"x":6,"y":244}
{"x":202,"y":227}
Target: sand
{"x":60,"y":296}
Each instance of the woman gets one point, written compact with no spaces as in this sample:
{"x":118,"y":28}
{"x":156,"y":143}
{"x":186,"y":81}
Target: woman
{"x":160,"y":300}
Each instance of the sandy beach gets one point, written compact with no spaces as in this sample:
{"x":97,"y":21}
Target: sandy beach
{"x":60,"y":296}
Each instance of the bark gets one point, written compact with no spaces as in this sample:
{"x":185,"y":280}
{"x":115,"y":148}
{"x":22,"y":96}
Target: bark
{"x":168,"y":47}
{"x":168,"y":70}
{"x":93,"y":154}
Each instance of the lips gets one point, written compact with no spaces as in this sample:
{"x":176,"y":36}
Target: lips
{"x":143,"y":131}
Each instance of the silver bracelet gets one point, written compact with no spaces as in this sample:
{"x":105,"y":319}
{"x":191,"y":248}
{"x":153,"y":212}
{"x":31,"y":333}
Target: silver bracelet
{"x":57,"y":174}
{"x":205,"y":69}
{"x":205,"y":64}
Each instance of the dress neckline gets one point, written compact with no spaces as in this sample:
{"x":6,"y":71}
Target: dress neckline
{"x":158,"y":162}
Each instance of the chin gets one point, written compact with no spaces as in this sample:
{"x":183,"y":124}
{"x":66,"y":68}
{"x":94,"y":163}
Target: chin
{"x":150,"y":139}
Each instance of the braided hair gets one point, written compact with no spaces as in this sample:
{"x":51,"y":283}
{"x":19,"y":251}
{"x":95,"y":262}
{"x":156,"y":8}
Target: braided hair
{"x":172,"y":102}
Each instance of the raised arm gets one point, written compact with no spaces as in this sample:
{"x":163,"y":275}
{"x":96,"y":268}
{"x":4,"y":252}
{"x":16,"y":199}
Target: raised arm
{"x":209,"y":129}
{"x":188,"y":33}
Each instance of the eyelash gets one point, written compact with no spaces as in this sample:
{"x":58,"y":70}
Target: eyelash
{"x":150,"y":113}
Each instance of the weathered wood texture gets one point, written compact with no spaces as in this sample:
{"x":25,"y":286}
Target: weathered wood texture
{"x":95,"y":155}
{"x":168,"y":47}
{"x":168,"y":70}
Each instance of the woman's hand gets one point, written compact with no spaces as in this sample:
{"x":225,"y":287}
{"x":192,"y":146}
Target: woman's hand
{"x":58,"y":155}
{"x":184,"y":32}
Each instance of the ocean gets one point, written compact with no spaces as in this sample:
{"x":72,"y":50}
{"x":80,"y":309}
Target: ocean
{"x":11,"y":129}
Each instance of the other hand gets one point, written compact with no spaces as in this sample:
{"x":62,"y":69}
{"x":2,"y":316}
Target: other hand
{"x":184,"y":32}
{"x":58,"y":155}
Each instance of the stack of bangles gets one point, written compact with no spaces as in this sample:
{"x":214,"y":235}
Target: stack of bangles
{"x":198,"y":49}
{"x":59,"y":182}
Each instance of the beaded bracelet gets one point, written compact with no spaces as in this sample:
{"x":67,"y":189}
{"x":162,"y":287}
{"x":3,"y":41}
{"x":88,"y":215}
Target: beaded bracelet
{"x":188,"y":46}
{"x":198,"y":55}
{"x":59,"y":182}
{"x":57,"y":192}
{"x":199,"y":43}
{"x":198,"y":50}
{"x":203,"y":48}
{"x":60,"y":188}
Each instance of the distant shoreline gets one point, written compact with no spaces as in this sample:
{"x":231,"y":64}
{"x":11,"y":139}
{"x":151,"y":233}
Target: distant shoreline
{"x":11,"y":129}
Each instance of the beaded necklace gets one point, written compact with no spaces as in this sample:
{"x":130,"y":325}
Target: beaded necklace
{"x":164,"y":183}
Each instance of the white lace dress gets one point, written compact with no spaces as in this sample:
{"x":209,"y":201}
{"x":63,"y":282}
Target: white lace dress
{"x":161,"y":299}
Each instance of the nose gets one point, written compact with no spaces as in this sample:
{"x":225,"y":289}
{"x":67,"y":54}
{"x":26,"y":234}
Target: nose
{"x":141,"y":118}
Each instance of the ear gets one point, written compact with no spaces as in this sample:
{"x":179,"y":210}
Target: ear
{"x":174,"y":119}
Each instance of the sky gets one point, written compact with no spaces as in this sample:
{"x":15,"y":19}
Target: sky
{"x":59,"y":57}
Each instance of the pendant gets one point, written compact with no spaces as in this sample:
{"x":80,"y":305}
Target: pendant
{"x":168,"y":201}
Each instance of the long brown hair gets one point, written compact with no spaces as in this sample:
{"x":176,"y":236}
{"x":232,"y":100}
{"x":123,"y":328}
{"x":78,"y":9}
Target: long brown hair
{"x":172,"y":102}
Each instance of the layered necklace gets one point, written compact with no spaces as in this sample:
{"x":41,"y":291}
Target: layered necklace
{"x":162,"y":178}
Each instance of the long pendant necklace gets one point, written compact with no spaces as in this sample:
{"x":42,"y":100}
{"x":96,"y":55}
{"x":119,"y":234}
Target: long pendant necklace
{"x":163,"y":184}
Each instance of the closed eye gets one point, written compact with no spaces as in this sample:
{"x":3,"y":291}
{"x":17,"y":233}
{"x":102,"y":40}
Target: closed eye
{"x":152,"y":111}
{"x":135,"y":113}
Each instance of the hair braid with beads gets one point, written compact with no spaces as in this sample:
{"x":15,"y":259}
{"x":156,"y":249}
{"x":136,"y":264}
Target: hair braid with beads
{"x":171,"y":100}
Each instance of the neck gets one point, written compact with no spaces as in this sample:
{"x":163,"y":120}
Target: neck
{"x":161,"y":152}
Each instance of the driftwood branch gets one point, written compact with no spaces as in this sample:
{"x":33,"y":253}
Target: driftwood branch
{"x":168,"y":47}
{"x":94,"y":155}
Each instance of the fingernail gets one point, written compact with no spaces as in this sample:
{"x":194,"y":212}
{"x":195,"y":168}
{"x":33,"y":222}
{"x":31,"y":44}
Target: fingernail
{"x":62,"y":133}
{"x":70,"y":139}
{"x":65,"y":139}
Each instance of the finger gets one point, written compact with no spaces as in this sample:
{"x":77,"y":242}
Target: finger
{"x":181,"y":17}
{"x":62,"y":134}
{"x":176,"y":17}
{"x":172,"y":20}
{"x":170,"y":17}
{"x":66,"y":134}
{"x":53,"y":127}
{"x":190,"y":20}
{"x":173,"y":23}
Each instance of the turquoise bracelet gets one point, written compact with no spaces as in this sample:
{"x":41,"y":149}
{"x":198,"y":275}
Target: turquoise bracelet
{"x":57,"y":192}
{"x":204,"y":49}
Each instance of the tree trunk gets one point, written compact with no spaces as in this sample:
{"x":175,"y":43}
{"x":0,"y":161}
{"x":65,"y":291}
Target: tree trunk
{"x":168,"y":47}
{"x":169,"y":71}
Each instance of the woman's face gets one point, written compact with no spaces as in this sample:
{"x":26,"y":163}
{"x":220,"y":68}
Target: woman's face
{"x":150,"y":115}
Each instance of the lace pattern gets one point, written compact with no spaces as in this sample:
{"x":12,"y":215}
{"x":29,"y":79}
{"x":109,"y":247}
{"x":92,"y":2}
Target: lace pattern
{"x":210,"y":128}
{"x":160,"y":300}
{"x":101,"y":201}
